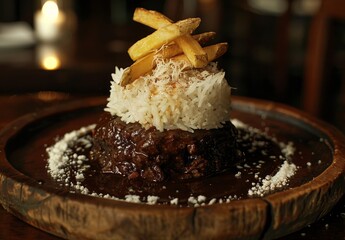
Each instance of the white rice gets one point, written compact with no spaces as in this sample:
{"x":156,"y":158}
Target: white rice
{"x":173,"y":97}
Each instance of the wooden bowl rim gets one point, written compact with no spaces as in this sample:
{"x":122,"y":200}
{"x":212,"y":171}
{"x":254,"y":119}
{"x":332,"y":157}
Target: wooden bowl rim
{"x":333,"y":173}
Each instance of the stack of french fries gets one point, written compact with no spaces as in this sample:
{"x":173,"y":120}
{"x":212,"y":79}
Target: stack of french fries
{"x":169,"y":41}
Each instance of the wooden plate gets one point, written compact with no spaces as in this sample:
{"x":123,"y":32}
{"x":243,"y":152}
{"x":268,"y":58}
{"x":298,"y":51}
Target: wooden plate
{"x":26,"y":192}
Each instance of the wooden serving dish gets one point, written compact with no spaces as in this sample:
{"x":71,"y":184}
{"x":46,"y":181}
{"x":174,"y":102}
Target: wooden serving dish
{"x":27,"y":192}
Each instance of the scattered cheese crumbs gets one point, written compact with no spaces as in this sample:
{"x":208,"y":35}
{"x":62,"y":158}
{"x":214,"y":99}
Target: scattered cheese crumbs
{"x":79,"y":176}
{"x":286,"y":171}
{"x":238,"y":123}
{"x":174,"y":201}
{"x":197,"y":201}
{"x":212,"y":201}
{"x":287,"y":149}
{"x":152,"y":199}
{"x":201,"y":198}
{"x":271,"y":183}
{"x":238,"y":174}
{"x":192,"y":200}
{"x":308,"y":164}
{"x":60,"y":155}
{"x":132,"y":198}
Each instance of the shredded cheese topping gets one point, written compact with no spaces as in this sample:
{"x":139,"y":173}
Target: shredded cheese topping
{"x":173,"y":97}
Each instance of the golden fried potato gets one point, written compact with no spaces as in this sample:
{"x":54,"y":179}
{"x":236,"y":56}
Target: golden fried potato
{"x":189,"y":45}
{"x":213,"y":52}
{"x":145,"y":64}
{"x":162,"y":36}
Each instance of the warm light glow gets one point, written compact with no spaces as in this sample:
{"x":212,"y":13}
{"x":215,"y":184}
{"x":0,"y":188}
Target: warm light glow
{"x":50,"y":9}
{"x":49,"y":56}
{"x":51,"y":62}
{"x":268,"y":6}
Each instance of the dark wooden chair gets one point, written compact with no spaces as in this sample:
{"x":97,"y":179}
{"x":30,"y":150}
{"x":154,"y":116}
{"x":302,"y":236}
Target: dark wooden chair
{"x":316,"y":55}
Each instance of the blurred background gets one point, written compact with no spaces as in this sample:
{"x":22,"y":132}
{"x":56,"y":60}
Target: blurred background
{"x":289,"y":51}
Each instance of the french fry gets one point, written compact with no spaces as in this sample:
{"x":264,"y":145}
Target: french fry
{"x":189,"y":45}
{"x":173,"y":49}
{"x":162,"y":36}
{"x":213,"y":52}
{"x":137,"y":69}
{"x":164,"y":42}
{"x":146,"y":63}
{"x":192,"y":49}
{"x":157,"y":20}
{"x":151,"y":18}
{"x":203,"y":38}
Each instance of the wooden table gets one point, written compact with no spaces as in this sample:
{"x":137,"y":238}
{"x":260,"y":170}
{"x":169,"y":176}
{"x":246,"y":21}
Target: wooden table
{"x":332,"y":226}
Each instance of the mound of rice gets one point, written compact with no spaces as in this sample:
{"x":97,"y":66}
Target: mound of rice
{"x":173,"y":97}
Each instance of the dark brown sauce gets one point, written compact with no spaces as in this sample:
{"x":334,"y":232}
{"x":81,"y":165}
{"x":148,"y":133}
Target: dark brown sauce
{"x":28,"y":155}
{"x":258,"y":156}
{"x":259,"y":161}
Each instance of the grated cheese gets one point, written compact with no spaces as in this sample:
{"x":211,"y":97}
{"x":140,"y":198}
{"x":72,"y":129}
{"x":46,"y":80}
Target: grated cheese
{"x":173,"y":97}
